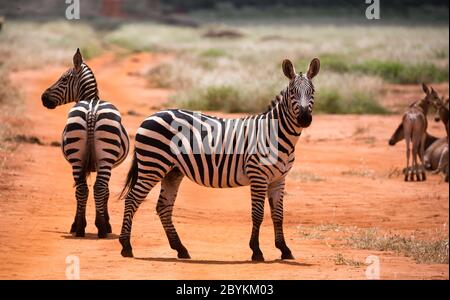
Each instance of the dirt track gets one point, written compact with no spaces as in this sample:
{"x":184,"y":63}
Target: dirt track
{"x":341,"y":176}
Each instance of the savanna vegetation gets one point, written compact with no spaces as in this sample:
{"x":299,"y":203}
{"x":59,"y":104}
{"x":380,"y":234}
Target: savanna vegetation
{"x":233,"y":64}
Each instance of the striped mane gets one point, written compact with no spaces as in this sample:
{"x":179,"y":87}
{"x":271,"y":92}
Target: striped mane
{"x":88,"y":84}
{"x":275,"y":101}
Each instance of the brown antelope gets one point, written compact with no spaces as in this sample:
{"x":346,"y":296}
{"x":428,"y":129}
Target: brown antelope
{"x":399,"y":134}
{"x":436,"y":157}
{"x":443,"y":162}
{"x":414,"y":125}
{"x":441,"y":106}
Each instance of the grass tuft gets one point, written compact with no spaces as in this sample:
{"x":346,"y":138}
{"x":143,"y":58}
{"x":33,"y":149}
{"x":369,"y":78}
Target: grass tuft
{"x":340,"y":260}
{"x":434,"y":251}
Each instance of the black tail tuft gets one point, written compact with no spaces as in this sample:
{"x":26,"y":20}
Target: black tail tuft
{"x":131,"y":177}
{"x":90,"y":162}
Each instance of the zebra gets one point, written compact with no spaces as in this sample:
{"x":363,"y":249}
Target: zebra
{"x":155,"y":160}
{"x":93,"y":140}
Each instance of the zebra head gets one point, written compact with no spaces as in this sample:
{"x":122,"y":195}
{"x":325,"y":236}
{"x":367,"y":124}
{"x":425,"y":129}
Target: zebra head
{"x":77,"y":83}
{"x":300,"y":92}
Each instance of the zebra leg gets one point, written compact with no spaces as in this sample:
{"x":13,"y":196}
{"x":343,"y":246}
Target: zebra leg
{"x":133,"y":200}
{"x":101,"y":195}
{"x":105,"y":210}
{"x":258,"y":190}
{"x":164,"y":208}
{"x":81,"y":194}
{"x":276,"y":194}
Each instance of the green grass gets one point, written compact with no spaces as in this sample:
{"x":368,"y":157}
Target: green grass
{"x":333,"y":102}
{"x":397,"y":72}
{"x":226,"y":98}
{"x":388,"y":70}
{"x":423,"y":251}
{"x":213,"y":53}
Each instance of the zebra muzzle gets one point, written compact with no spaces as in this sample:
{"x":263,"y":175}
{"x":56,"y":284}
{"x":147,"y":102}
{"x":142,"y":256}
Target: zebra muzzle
{"x":304,"y":119}
{"x":47,"y":102}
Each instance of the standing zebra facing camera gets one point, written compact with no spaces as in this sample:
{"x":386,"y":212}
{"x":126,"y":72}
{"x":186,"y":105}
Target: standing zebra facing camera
{"x":256,"y":150}
{"x":93,"y":140}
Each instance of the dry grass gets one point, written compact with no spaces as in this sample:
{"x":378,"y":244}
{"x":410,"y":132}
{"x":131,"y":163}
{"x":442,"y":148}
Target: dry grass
{"x":11,"y":100}
{"x":340,"y":260}
{"x":423,"y":247}
{"x":305,"y":176}
{"x":423,"y":251}
{"x":359,"y":173}
{"x":244,"y":74}
{"x":36,"y":45}
{"x":355,"y":63}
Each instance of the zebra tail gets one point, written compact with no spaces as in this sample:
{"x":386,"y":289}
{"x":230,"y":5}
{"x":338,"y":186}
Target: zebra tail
{"x":89,"y":162}
{"x":132,"y":177}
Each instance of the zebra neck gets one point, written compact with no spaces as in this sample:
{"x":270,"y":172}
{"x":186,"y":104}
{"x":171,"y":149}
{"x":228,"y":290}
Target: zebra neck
{"x":288,"y":129}
{"x":87,"y":89}
{"x":289,"y":118}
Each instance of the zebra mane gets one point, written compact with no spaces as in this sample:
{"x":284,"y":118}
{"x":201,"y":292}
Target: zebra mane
{"x":88,"y":78}
{"x":275,"y":101}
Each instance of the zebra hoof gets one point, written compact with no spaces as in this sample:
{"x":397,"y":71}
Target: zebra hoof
{"x":183,"y":254}
{"x":127,"y":252}
{"x":102,"y":234}
{"x":257,"y":257}
{"x":73,"y":228}
{"x":287,"y":255}
{"x":80,"y":233}
{"x":108,"y":228}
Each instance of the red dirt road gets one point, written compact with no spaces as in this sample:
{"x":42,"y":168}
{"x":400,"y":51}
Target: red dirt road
{"x":340,"y":180}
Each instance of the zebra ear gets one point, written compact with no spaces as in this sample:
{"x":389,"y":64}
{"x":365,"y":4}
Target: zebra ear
{"x":288,"y":69}
{"x":77,"y":60}
{"x":313,"y":69}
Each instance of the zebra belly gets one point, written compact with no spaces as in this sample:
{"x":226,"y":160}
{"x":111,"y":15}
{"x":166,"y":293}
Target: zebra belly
{"x":217,"y":175}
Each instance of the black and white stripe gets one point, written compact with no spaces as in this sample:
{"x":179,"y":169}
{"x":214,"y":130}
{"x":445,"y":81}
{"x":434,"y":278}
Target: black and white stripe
{"x":93,"y":140}
{"x":155,"y":159}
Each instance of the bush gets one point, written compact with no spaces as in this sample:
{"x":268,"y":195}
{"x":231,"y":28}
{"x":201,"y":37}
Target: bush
{"x":331,"y":101}
{"x":223,"y":98}
{"x":391,"y":71}
{"x":397,"y":72}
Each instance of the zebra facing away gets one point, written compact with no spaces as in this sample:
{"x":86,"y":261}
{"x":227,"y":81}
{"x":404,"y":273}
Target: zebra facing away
{"x":155,"y":158}
{"x":93,"y":140}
